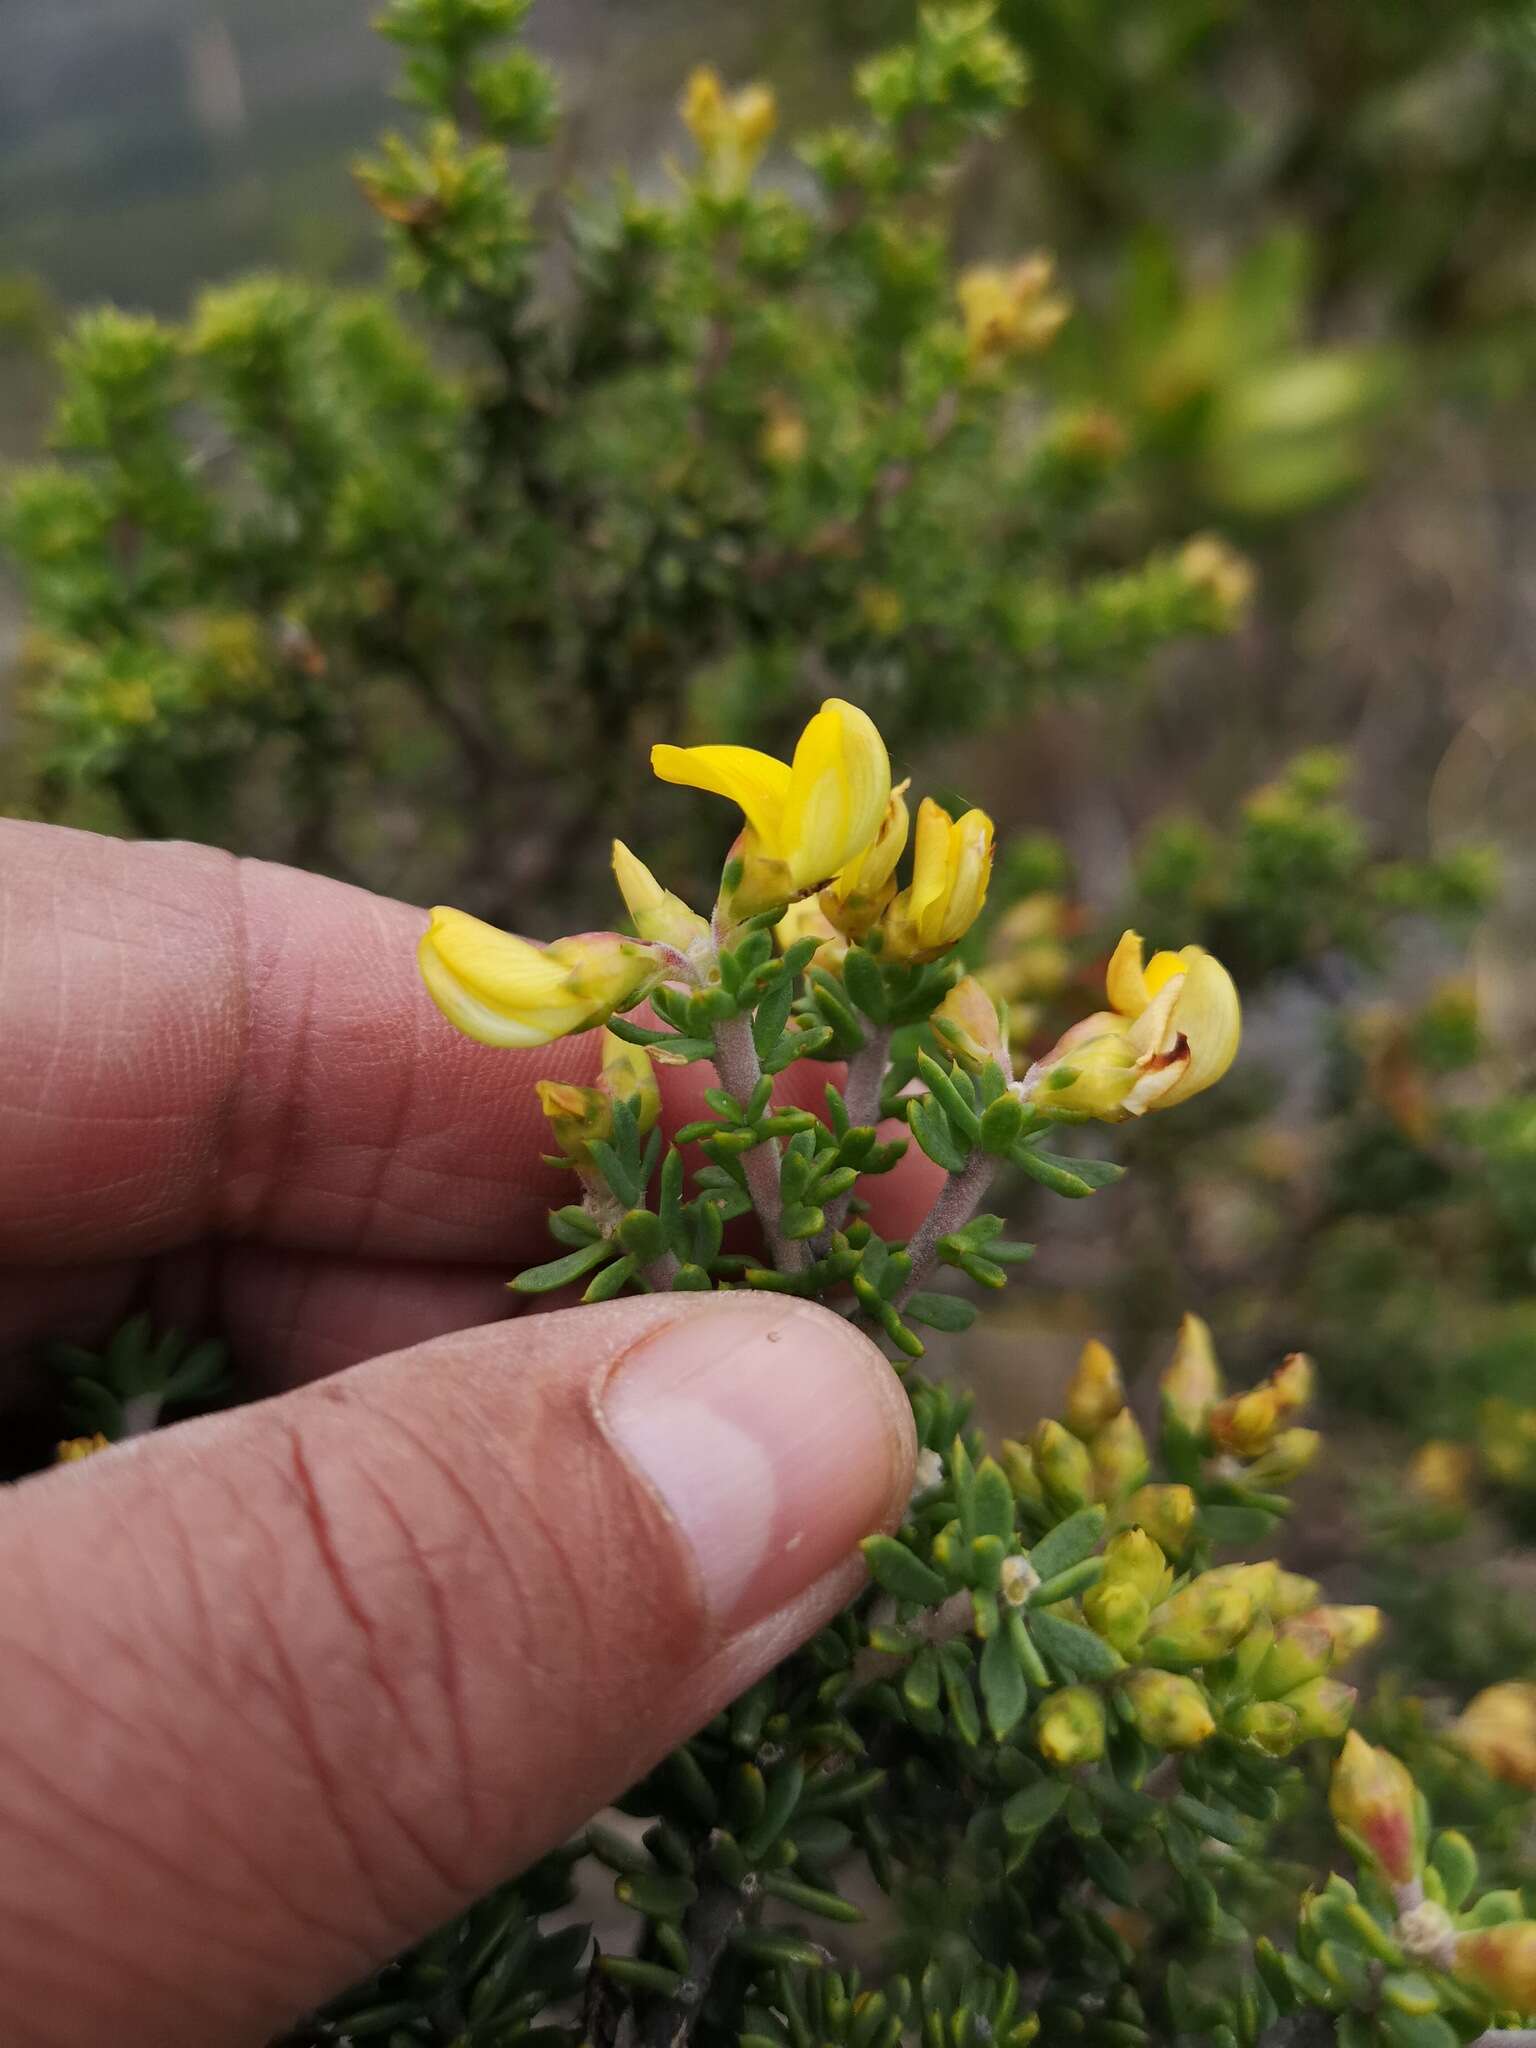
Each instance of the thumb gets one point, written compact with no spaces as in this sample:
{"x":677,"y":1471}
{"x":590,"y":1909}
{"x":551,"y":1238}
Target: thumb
{"x":289,"y":1686}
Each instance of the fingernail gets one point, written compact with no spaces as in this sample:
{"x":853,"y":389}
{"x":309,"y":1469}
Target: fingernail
{"x":775,"y":1439}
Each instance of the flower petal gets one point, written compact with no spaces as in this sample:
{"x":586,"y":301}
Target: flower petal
{"x":757,"y":782}
{"x":1125,"y":983}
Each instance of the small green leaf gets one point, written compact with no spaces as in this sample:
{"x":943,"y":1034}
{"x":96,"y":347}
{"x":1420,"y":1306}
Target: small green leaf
{"x":898,"y":1572}
{"x":1076,"y":1652}
{"x":1003,"y":1690}
{"x":611,"y":1280}
{"x":561,"y":1272}
{"x":948,"y":1312}
{"x":1068,"y":1543}
{"x":1035,"y":1807}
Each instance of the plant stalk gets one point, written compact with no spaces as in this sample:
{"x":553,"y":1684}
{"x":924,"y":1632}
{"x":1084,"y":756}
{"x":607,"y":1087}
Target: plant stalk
{"x":957,"y":1204}
{"x":737,"y":1064}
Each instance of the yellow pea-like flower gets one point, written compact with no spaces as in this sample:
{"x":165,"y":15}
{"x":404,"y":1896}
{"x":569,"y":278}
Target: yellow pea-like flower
{"x":659,"y":916}
{"x":807,"y":920}
{"x":951,"y":867}
{"x":1009,"y":311}
{"x":505,"y":991}
{"x":854,"y":901}
{"x":806,"y":818}
{"x":1172,"y":1031}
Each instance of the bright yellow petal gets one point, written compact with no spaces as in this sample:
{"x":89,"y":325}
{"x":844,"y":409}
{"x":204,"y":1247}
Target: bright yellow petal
{"x":473,"y":1016}
{"x":494,"y":965}
{"x":971,"y":862}
{"x":930,"y":860}
{"x":1125,"y":983}
{"x":658,"y":914}
{"x":869,"y":871}
{"x":840,"y":784}
{"x":1209,"y":1016}
{"x":1162,"y":967}
{"x":757,"y":782}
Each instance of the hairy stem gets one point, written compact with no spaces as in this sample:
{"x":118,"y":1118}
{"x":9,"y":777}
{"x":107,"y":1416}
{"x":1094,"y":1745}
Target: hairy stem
{"x":861,"y":1098}
{"x":941,"y":1624}
{"x":957,"y":1204}
{"x":737,"y":1064}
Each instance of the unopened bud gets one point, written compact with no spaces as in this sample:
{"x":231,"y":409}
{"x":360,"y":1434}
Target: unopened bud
{"x":1132,"y":1558}
{"x":1018,"y":1461}
{"x":1065,"y":1469}
{"x":1498,"y":1729}
{"x":1322,"y":1708}
{"x":1117,"y":1612}
{"x":1244,"y":1423}
{"x":1169,"y":1711}
{"x":1293,"y":1595}
{"x":1199,"y":1624}
{"x":1269,"y":1725}
{"x":1167,"y":1513}
{"x":74,"y":1448}
{"x":1349,"y":1629}
{"x":1119,"y":1455}
{"x":1290,"y":1452}
{"x":1095,"y":1392}
{"x":1191,"y":1383}
{"x":1300,"y":1651}
{"x":1070,"y":1727}
{"x":1501,"y":1961}
{"x":1441,"y":1474}
{"x":1377,"y":1807}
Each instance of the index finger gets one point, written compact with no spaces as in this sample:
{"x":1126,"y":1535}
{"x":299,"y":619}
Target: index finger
{"x":195,"y":1046}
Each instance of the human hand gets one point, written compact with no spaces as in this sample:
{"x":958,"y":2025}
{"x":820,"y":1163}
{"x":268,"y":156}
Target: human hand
{"x":290,"y":1685}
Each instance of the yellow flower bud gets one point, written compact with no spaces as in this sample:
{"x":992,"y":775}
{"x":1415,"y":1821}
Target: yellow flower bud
{"x":1268,"y":1725}
{"x":1441,"y":1474}
{"x":951,"y":867}
{"x":806,"y":818}
{"x":580,"y":1116}
{"x":1349,"y":1629}
{"x":1293,"y":1595}
{"x":1009,"y":312}
{"x":1191,"y":1382}
{"x":1018,"y":1461}
{"x":75,"y":1448}
{"x":507,"y":991}
{"x":785,"y":437}
{"x":1134,"y":1558}
{"x":1300,"y":1651}
{"x":1119,"y":1454}
{"x":1070,"y":1727}
{"x":968,"y":1025}
{"x":806,"y":920}
{"x":731,"y":131}
{"x":1200,"y":1623}
{"x":1289,"y":1454}
{"x":1167,"y":1513}
{"x":853,"y":902}
{"x":1293,"y":1380}
{"x":1501,"y":1961}
{"x":1244,"y":1423}
{"x":1498,"y":1729}
{"x":1259,"y":1581}
{"x":1376,"y":1806}
{"x":1095,"y":1391}
{"x":1171,"y":1031}
{"x":1063,"y":1466}
{"x":1115,"y":1610}
{"x":658,"y":914}
{"x":1322,"y":1708}
{"x":1169,"y":1710}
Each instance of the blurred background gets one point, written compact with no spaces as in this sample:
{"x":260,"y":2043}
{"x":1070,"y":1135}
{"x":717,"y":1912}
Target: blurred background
{"x":1250,"y":663}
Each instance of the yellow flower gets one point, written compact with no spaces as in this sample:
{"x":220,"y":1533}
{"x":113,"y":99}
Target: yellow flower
{"x":1191,"y":1382}
{"x":1501,"y":1961}
{"x":1009,"y":312}
{"x":1210,"y":564}
{"x":77,"y":1447}
{"x":578,"y":1116}
{"x":1498,"y":1728}
{"x":952,"y":864}
{"x":807,"y":920}
{"x":659,"y":916}
{"x":731,"y":130}
{"x":806,"y":819}
{"x":507,"y":991}
{"x":1172,"y":1031}
{"x":854,"y":901}
{"x":970,"y":1027}
{"x":1377,"y":1808}
{"x":1246,"y":1423}
{"x":1095,"y":1391}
